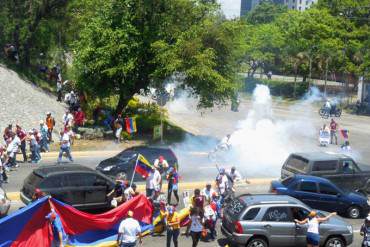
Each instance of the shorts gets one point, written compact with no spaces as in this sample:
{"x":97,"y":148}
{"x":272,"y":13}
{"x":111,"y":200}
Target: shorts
{"x":313,"y":238}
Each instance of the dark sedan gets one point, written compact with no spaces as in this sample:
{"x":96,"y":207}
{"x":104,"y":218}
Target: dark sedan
{"x":124,"y":162}
{"x":322,"y":194}
{"x":76,"y":185}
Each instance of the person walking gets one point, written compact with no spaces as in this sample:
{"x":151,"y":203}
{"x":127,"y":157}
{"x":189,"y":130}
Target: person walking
{"x":313,"y":221}
{"x":153,"y":182}
{"x":195,"y":226}
{"x":59,"y":91}
{"x":34,"y":147}
{"x":118,"y":126}
{"x":22,"y":135}
{"x":129,"y":231}
{"x":44,"y":140}
{"x":173,"y":181}
{"x":65,"y":146}
{"x":12,"y":150}
{"x":50,"y":123}
{"x":173,"y":226}
{"x":333,"y":132}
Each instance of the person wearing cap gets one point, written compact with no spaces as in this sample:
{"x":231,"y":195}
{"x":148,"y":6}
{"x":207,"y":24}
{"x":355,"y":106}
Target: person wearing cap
{"x":37,"y":194}
{"x":60,"y":237}
{"x":313,"y":221}
{"x":207,"y":192}
{"x":44,"y":140}
{"x":173,"y":226}
{"x":129,"y":231}
{"x":22,"y":135}
{"x":161,"y":164}
{"x":50,"y":123}
{"x":65,"y":146}
{"x":173,"y":181}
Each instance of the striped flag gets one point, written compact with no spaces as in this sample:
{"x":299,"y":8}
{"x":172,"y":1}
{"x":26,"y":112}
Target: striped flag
{"x":130,"y":123}
{"x":344,"y":133}
{"x":143,"y":167}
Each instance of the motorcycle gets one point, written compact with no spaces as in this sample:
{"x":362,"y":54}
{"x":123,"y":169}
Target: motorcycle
{"x":325,"y":113}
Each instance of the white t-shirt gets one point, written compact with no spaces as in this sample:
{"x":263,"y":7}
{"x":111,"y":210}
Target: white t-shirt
{"x":65,"y":141}
{"x":236,"y":176}
{"x":13,"y":145}
{"x":313,"y":226}
{"x":153,"y":180}
{"x":67,"y":119}
{"x":128,"y":193}
{"x":129,"y":228}
{"x":207,"y":193}
{"x":223,"y":183}
{"x":196,"y":225}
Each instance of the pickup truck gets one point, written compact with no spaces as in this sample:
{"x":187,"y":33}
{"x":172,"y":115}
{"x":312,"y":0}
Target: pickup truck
{"x":338,"y":168}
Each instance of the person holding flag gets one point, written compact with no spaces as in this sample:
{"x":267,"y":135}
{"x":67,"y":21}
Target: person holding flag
{"x":173,"y":181}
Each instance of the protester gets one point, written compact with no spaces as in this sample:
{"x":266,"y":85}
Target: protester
{"x":67,"y":119}
{"x":50,"y":123}
{"x":234,"y":175}
{"x":118,"y":126}
{"x":22,"y":135}
{"x":173,"y":226}
{"x":3,"y":177}
{"x":117,"y":193}
{"x":60,"y":237}
{"x":8,"y":131}
{"x":210,"y":218}
{"x":44,"y":140}
{"x":34,"y":147}
{"x":222,"y":183}
{"x":153,"y":182}
{"x":207,"y":192}
{"x":12,"y":150}
{"x":313,"y":221}
{"x":198,"y":201}
{"x":130,"y":192}
{"x":195,"y":226}
{"x":173,"y":181}
{"x":129,"y":231}
{"x":37,"y":194}
{"x":59,"y":91}
{"x":79,"y":117}
{"x":333,"y":132}
{"x":365,"y":228}
{"x":161,"y":164}
{"x":65,"y":146}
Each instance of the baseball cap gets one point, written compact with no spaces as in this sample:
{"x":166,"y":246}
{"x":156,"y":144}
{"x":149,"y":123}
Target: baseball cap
{"x":161,"y":158}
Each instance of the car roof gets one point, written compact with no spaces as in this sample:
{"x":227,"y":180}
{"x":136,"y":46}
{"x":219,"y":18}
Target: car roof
{"x":135,"y":148}
{"x":320,"y":156}
{"x":311,"y":178}
{"x":47,"y":170}
{"x":268,"y":199}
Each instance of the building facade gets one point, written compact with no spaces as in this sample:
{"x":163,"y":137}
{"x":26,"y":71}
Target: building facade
{"x":300,"y":5}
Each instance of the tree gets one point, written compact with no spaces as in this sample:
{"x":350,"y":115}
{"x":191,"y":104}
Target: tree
{"x":265,"y":12}
{"x":128,"y":45}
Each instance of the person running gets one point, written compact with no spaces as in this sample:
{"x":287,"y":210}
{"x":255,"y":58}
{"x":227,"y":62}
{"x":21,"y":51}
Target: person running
{"x":333,"y":132}
{"x":173,"y":226}
{"x":22,"y":135}
{"x":129,"y":231}
{"x":50,"y":123}
{"x":173,"y":181}
{"x":65,"y":146}
{"x":313,"y":221}
{"x":44,"y":140}
{"x":195,"y":226}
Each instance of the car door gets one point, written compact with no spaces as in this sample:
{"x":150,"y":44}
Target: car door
{"x":307,"y":192}
{"x":329,"y":197}
{"x":351,"y":175}
{"x":54,"y":186}
{"x":278,"y":224}
{"x":300,"y":213}
{"x":75,"y":189}
{"x":95,"y":190}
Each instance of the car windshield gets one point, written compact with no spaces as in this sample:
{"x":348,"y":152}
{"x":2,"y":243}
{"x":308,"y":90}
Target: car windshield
{"x":33,"y":179}
{"x":127,"y":154}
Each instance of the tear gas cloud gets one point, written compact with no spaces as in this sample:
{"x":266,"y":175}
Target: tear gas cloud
{"x":261,"y":142}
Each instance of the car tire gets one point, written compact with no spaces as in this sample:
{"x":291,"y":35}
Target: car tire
{"x":335,"y":242}
{"x":257,"y":242}
{"x":354,"y":212}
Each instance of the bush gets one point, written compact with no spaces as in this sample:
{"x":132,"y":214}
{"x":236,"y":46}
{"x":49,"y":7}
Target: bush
{"x":277,"y":88}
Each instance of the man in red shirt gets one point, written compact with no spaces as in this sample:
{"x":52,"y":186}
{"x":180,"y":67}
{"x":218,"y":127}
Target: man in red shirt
{"x":22,"y":136}
{"x":333,"y":132}
{"x":79,"y":117}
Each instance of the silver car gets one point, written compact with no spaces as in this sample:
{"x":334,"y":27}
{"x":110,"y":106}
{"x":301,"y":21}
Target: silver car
{"x":268,"y":220}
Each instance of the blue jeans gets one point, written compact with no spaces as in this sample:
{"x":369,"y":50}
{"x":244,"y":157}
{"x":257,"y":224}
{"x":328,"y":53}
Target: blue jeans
{"x":44,"y":145}
{"x":172,"y":234}
{"x":149,"y":192}
{"x":66,"y":150}
{"x":128,"y":244}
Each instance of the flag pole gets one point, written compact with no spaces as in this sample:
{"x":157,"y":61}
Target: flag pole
{"x":133,"y":174}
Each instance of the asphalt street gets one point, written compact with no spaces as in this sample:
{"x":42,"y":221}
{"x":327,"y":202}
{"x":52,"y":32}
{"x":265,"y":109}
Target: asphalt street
{"x":196,"y":168}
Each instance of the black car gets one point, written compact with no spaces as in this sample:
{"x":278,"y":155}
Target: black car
{"x":338,"y":168}
{"x":76,"y":185}
{"x":124,"y":162}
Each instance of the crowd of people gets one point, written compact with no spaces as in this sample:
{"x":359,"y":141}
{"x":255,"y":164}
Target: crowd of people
{"x":332,"y":132}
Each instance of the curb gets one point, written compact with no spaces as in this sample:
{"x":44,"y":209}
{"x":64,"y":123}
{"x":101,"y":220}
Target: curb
{"x":15,"y":196}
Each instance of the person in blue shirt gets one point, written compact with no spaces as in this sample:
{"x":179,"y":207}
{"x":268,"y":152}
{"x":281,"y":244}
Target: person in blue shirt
{"x":60,"y":237}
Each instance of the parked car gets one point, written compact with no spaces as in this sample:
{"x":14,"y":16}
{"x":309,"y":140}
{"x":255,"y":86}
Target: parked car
{"x":124,"y":162}
{"x":338,"y":168}
{"x":268,"y":220}
{"x":4,"y":203}
{"x":76,"y":185}
{"x":322,"y":194}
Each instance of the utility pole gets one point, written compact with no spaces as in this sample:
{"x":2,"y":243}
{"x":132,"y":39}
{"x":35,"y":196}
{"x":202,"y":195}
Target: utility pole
{"x":326,"y":74}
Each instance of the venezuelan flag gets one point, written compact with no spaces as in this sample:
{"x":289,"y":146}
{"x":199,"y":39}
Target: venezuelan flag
{"x":143,"y":167}
{"x":344,"y":133}
{"x":130,"y":125}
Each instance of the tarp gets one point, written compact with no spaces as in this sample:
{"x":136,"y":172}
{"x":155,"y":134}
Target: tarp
{"x":29,"y":227}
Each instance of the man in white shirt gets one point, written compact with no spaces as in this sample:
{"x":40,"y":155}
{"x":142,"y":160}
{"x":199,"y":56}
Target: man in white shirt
{"x":222,"y":182}
{"x":129,"y":231}
{"x":12,"y":150}
{"x":153,"y":182}
{"x":67,"y":119}
{"x":130,"y":192}
{"x":207,"y":192}
{"x":161,"y":164}
{"x":65,"y":146}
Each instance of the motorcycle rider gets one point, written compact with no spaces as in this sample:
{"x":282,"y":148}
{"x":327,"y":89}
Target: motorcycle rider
{"x":225,"y":142}
{"x":365,"y":230}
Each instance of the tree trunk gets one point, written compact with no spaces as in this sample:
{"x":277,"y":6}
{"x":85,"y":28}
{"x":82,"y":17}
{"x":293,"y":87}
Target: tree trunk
{"x":122,"y":103}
